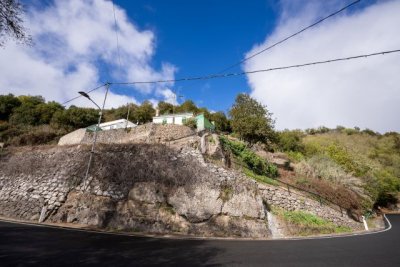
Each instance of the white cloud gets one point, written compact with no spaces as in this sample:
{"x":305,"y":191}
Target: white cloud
{"x":74,"y":45}
{"x":361,"y":92}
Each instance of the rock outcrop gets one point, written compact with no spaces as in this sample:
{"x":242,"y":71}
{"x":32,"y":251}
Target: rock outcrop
{"x":153,"y":188}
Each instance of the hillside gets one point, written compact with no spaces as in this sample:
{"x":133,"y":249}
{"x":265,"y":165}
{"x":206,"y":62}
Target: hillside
{"x":364,"y":164}
{"x":166,"y":188}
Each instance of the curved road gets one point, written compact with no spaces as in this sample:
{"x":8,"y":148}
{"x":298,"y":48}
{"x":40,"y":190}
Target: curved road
{"x":25,"y":245}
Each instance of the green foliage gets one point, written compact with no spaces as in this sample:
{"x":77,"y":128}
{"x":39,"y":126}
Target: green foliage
{"x":121,"y":113}
{"x":7,"y":104}
{"x":46,"y":111}
{"x":165,"y":108}
{"x":74,"y":118}
{"x":295,"y":156}
{"x":43,"y":134}
{"x":144,"y":113}
{"x":319,"y":130}
{"x":349,"y":131}
{"x":290,"y":141}
{"x":370,"y":132}
{"x":191,"y":122}
{"x":260,"y":178}
{"x":251,"y":120}
{"x":344,"y":159}
{"x":27,"y":113}
{"x":304,"y":223}
{"x":187,"y":106}
{"x":373,"y":157}
{"x":221,"y":121}
{"x":252,"y":161}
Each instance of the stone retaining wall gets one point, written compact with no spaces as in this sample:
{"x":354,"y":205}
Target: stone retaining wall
{"x":143,"y":187}
{"x":294,"y":200}
{"x":146,"y":133}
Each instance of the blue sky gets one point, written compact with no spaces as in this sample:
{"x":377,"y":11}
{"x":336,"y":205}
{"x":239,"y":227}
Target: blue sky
{"x":75,"y":49}
{"x":203,"y":37}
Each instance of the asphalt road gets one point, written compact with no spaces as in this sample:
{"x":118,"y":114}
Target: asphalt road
{"x":24,"y":245}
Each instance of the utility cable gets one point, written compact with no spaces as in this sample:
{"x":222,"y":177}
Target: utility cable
{"x":214,"y":76}
{"x":290,"y":36}
{"x":91,"y":90}
{"x":116,"y":35}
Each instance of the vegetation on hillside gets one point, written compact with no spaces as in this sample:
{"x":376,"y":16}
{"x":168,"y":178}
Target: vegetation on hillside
{"x":251,"y":120}
{"x":245,"y":156}
{"x":355,"y":168}
{"x":363,"y":165}
{"x":303,"y":223}
{"x":30,"y":120}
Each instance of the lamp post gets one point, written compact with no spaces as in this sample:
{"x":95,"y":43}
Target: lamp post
{"x":96,"y":129}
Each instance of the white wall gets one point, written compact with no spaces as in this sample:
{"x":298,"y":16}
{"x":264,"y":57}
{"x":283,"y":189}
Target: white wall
{"x":170,"y":120}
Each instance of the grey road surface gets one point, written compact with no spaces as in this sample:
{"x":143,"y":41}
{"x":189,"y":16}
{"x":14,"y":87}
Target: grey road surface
{"x":26,"y":245}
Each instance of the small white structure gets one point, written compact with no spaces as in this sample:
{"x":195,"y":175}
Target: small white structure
{"x":173,"y":118}
{"x":117,"y":124}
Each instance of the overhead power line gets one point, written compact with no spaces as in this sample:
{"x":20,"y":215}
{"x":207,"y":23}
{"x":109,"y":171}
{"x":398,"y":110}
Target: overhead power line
{"x":214,"y":76}
{"x":118,"y":54}
{"x":87,"y":92}
{"x":290,"y":36}
{"x":226,"y":75}
{"x":116,"y":35}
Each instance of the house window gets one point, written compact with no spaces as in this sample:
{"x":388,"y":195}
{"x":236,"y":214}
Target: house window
{"x":183,"y":120}
{"x":164,"y":121}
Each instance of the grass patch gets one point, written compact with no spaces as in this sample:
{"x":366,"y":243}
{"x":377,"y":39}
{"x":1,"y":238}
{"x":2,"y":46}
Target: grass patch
{"x":303,"y":223}
{"x":295,"y":156}
{"x":260,"y":178}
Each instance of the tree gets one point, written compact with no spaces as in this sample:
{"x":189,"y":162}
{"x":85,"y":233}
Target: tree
{"x":11,"y":22}
{"x":251,"y":120}
{"x":145,"y":112}
{"x":165,"y":108}
{"x":187,"y":106}
{"x":27,"y":113}
{"x":7,"y":104}
{"x":74,"y":118}
{"x":45,"y":111}
{"x":121,"y":113}
{"x":221,"y":121}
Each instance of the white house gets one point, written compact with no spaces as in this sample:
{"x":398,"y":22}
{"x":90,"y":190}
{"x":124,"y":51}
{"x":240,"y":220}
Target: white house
{"x":117,"y":124}
{"x":172,"y":118}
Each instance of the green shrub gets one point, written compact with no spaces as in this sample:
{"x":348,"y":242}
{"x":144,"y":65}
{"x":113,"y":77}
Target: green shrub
{"x":349,"y":131}
{"x":344,"y":159}
{"x":39,"y":135}
{"x":191,"y":122}
{"x":254,"y":162}
{"x":295,"y":156}
{"x":290,"y":140}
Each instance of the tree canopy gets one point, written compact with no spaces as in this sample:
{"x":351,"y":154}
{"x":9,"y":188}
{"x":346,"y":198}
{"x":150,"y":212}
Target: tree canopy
{"x":251,"y":120}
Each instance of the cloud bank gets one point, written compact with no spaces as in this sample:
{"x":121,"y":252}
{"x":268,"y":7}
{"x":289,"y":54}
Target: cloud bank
{"x":75,"y":48}
{"x":363,"y":92}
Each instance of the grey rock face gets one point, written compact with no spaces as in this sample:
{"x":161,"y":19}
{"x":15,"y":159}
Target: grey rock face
{"x":149,"y":188}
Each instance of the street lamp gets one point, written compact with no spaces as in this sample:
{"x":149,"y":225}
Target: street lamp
{"x":95,"y":131}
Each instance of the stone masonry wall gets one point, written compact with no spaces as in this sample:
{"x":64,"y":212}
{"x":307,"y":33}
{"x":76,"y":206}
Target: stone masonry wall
{"x":143,"y":187}
{"x":146,"y":133}
{"x":294,"y":200}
